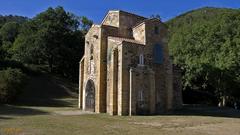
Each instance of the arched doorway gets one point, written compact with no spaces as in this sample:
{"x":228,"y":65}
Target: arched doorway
{"x":90,"y":96}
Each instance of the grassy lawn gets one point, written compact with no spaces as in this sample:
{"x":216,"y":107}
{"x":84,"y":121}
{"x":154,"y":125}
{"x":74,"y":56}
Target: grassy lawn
{"x":45,"y":121}
{"x":38,"y":115}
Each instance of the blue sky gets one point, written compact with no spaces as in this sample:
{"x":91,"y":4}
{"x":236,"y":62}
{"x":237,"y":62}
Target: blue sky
{"x":96,"y":9}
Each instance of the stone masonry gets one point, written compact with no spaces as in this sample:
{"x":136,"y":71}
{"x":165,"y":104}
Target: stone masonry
{"x":126,"y":69}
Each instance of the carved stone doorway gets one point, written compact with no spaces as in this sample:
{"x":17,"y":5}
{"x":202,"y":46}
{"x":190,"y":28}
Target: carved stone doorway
{"x":90,"y":96}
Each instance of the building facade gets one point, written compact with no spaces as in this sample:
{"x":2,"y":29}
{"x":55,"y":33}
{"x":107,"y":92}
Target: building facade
{"x":126,"y":69}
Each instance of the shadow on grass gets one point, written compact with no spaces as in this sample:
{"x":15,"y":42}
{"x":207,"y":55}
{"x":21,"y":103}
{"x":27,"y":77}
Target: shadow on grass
{"x":10,"y":110}
{"x":47,"y":91}
{"x":48,"y":102}
{"x":5,"y":118}
{"x":190,"y":110}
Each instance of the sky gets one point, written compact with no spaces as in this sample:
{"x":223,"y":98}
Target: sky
{"x":97,"y":9}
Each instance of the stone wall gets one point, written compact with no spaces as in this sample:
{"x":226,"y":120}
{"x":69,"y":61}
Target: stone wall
{"x":156,"y":34}
{"x":126,"y":22}
{"x":130,"y":59}
{"x":142,"y":91}
{"x":139,"y":33}
{"x":92,"y":63}
{"x":120,"y":59}
{"x":112,"y":76}
{"x":112,"y":19}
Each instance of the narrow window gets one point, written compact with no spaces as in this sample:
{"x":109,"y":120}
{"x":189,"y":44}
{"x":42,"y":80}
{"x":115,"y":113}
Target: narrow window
{"x":91,"y":49}
{"x":141,"y":59}
{"x":140,"y":95}
{"x":91,"y":52}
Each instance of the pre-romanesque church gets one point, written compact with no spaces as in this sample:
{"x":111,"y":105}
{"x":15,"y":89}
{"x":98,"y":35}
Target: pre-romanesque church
{"x":126,"y":69}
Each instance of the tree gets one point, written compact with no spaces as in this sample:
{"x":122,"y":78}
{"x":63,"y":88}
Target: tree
{"x":207,"y":49}
{"x":9,"y":31}
{"x":53,"y":37}
{"x":85,"y":24}
{"x":26,"y":47}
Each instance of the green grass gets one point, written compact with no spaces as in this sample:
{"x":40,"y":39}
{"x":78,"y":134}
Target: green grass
{"x":36,"y":114}
{"x":45,"y":121}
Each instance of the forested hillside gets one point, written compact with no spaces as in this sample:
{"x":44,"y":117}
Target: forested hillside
{"x":52,"y":41}
{"x":11,"y":18}
{"x":205,"y":44}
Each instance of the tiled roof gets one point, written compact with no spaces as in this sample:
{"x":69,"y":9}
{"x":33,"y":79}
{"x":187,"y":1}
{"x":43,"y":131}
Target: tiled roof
{"x":149,"y":19}
{"x":126,"y":40}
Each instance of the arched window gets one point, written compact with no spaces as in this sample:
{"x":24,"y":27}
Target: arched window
{"x":158,"y":54}
{"x":141,"y":59}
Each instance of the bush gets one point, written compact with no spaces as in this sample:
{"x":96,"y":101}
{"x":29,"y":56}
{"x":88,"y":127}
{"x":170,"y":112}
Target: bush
{"x":11,"y":83}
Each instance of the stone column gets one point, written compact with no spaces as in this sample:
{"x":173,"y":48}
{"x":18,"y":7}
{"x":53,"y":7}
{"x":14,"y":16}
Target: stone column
{"x":81,"y":74}
{"x":120,"y":82}
{"x":130,"y":92}
{"x":132,"y":97}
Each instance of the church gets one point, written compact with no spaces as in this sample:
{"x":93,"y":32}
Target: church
{"x":126,"y":68}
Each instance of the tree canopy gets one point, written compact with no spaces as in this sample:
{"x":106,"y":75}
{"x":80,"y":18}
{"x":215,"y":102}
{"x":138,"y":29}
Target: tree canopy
{"x":205,"y":43}
{"x":54,"y":37}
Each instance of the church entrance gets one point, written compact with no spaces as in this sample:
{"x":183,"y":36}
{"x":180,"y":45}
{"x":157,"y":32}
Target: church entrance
{"x":90,"y":96}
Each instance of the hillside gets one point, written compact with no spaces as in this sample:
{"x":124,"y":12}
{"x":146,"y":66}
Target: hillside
{"x":205,"y":44}
{"x":202,"y":15}
{"x":11,"y":18}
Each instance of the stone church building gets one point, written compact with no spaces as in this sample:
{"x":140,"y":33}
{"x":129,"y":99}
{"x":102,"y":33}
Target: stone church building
{"x":126,"y":69}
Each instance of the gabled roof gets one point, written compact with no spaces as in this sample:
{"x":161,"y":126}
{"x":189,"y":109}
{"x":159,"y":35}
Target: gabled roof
{"x":121,"y":11}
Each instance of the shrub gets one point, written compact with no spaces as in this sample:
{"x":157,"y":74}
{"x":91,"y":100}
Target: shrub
{"x":11,"y":83}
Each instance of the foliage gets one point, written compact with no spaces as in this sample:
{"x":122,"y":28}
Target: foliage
{"x":85,"y":24}
{"x":205,"y":43}
{"x":11,"y":83}
{"x":12,"y":18}
{"x":54,"y":37}
{"x":9,"y":31}
{"x":9,"y":27}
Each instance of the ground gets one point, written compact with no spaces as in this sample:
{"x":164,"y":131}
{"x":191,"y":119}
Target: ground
{"x":49,"y":107}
